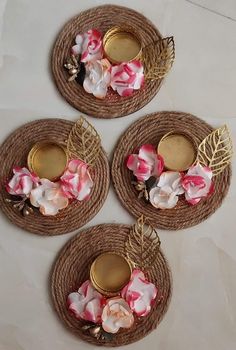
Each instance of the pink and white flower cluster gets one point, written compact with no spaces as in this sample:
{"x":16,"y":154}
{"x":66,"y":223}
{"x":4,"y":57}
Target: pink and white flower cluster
{"x":136,"y":297}
{"x":195,"y":184}
{"x":48,"y":196}
{"x":89,"y":45}
{"x":100,"y":74}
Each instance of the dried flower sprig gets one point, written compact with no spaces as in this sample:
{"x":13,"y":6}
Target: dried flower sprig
{"x":73,"y":66}
{"x":22,"y":204}
{"x":97,"y":332}
{"x":141,"y":188}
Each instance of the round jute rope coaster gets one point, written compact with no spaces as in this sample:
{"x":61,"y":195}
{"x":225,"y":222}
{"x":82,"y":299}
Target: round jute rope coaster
{"x":150,"y":129}
{"x":14,"y":152}
{"x":102,"y":18}
{"x":71,"y":269}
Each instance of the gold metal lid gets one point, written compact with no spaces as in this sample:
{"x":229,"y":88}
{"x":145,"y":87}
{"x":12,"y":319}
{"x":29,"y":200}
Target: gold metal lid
{"x":121,"y":45}
{"x":47,"y":160}
{"x":178,"y":151}
{"x":110,"y":272}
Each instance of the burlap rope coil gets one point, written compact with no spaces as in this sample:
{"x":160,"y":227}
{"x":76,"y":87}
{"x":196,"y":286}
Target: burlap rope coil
{"x":71,"y":269}
{"x":102,"y":18}
{"x":150,"y":129}
{"x":14,"y":151}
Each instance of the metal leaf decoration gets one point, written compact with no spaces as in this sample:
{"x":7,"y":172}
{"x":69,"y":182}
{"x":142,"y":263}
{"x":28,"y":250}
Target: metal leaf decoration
{"x":216,"y":150}
{"x":84,"y":142}
{"x":158,"y":58}
{"x":142,"y":244}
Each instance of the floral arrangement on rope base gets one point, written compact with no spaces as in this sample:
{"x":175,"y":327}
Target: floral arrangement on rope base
{"x":189,"y":172}
{"x":117,"y":61}
{"x":107,"y":305}
{"x":56,"y":174}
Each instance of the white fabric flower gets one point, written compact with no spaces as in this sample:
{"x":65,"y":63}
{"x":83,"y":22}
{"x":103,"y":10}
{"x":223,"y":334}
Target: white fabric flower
{"x":116,"y":314}
{"x":48,"y":197}
{"x":165,"y":194}
{"x":97,"y":78}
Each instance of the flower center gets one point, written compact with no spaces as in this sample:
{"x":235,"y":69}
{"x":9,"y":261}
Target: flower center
{"x":164,"y":195}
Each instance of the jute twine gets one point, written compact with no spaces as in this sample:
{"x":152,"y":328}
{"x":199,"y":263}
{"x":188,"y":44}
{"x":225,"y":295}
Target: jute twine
{"x":71,"y":269}
{"x":14,"y":151}
{"x":150,"y":129}
{"x":102,"y":18}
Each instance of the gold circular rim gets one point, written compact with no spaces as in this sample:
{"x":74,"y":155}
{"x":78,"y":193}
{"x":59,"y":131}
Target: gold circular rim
{"x":189,"y":139}
{"x":97,"y":286}
{"x":114,"y":30}
{"x":35,"y":148}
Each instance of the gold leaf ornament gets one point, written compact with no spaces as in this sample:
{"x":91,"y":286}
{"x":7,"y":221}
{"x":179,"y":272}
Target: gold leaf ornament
{"x":158,"y":58}
{"x":142,"y":244}
{"x":216,"y":150}
{"x":84,"y":142}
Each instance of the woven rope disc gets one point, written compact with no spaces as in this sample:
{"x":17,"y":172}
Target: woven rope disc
{"x":150,"y":129}
{"x":72,"y":269}
{"x":14,"y":151}
{"x":102,"y":18}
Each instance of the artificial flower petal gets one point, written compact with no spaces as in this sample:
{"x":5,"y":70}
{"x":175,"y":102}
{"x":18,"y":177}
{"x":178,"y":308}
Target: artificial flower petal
{"x":87,"y":303}
{"x":146,"y":163}
{"x":89,"y":45}
{"x":139,"y":293}
{"x":165,"y":194}
{"x":76,"y":181}
{"x":197,"y":183}
{"x":116,"y":314}
{"x":97,"y":78}
{"x":171,"y":179}
{"x":162,"y":198}
{"x":22,"y":182}
{"x":140,"y":168}
{"x":127,"y":77}
{"x":48,"y":197}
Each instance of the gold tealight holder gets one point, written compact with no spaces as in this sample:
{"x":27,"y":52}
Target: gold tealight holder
{"x":109,"y":273}
{"x":122,"y":45}
{"x":48,"y":160}
{"x":178,"y":150}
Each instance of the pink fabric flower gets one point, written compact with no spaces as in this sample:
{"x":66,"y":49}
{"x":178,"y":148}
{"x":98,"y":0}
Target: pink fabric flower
{"x":116,"y":314}
{"x":89,"y":45}
{"x":127,"y":77}
{"x":76,"y":181}
{"x":48,"y":197}
{"x":87,"y":303}
{"x":165,"y":194}
{"x":97,"y":78}
{"x":197,"y":183}
{"x":146,"y":163}
{"x":139,"y":293}
{"x":22,"y":182}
